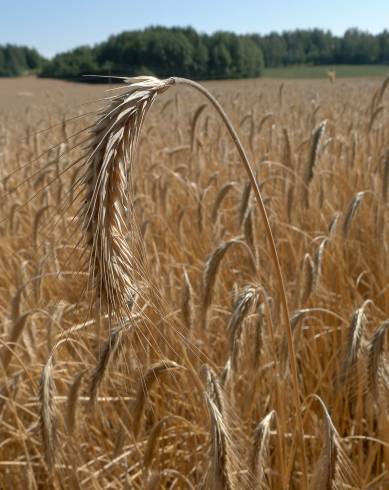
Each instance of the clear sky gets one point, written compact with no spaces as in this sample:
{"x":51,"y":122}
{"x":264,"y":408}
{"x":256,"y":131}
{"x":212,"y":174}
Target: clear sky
{"x":54,"y":26}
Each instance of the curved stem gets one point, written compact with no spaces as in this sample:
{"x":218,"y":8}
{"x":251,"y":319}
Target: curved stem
{"x":253,"y":181}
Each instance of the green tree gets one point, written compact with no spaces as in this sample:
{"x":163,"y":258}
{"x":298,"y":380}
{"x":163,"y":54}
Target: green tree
{"x":18,"y":60}
{"x":383,"y":41}
{"x":74,"y":64}
{"x":359,"y":47}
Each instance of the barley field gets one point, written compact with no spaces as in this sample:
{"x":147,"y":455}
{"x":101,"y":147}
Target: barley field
{"x":145,"y":342}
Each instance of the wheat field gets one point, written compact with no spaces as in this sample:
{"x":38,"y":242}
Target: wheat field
{"x":190,"y":381}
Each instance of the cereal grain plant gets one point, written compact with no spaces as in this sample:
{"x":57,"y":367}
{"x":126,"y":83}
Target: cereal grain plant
{"x":147,"y":278}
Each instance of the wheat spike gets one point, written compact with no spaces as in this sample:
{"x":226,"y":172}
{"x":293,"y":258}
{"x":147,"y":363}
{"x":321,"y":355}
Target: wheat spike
{"x":106,"y":357}
{"x":312,"y":159}
{"x":244,"y":303}
{"x":334,"y":469}
{"x":211,"y":269}
{"x":244,"y":202}
{"x":385,"y":178}
{"x":308,"y":279}
{"x":104,"y":214}
{"x":220,"y":473}
{"x":260,"y":450}
{"x":187,"y":303}
{"x":48,"y":416}
{"x":355,"y":336}
{"x":248,"y":225}
{"x":71,"y":404}
{"x":377,"y":369}
{"x":145,"y":385}
{"x":195,"y":120}
{"x":219,"y":198}
{"x":351,"y":212}
{"x":15,"y":332}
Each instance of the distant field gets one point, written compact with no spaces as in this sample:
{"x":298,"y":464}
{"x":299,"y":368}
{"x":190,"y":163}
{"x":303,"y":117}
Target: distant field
{"x":39,"y":95}
{"x":342,"y":71}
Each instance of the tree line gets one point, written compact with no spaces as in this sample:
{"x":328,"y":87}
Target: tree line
{"x":19,"y":60}
{"x":320,"y":47}
{"x":162,"y":52}
{"x":185,"y":52}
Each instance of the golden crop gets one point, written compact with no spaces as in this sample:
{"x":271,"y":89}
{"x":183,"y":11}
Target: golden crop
{"x":144,"y":341}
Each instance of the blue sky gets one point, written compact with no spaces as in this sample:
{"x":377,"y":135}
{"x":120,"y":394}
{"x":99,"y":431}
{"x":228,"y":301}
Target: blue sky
{"x":54,"y":26}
